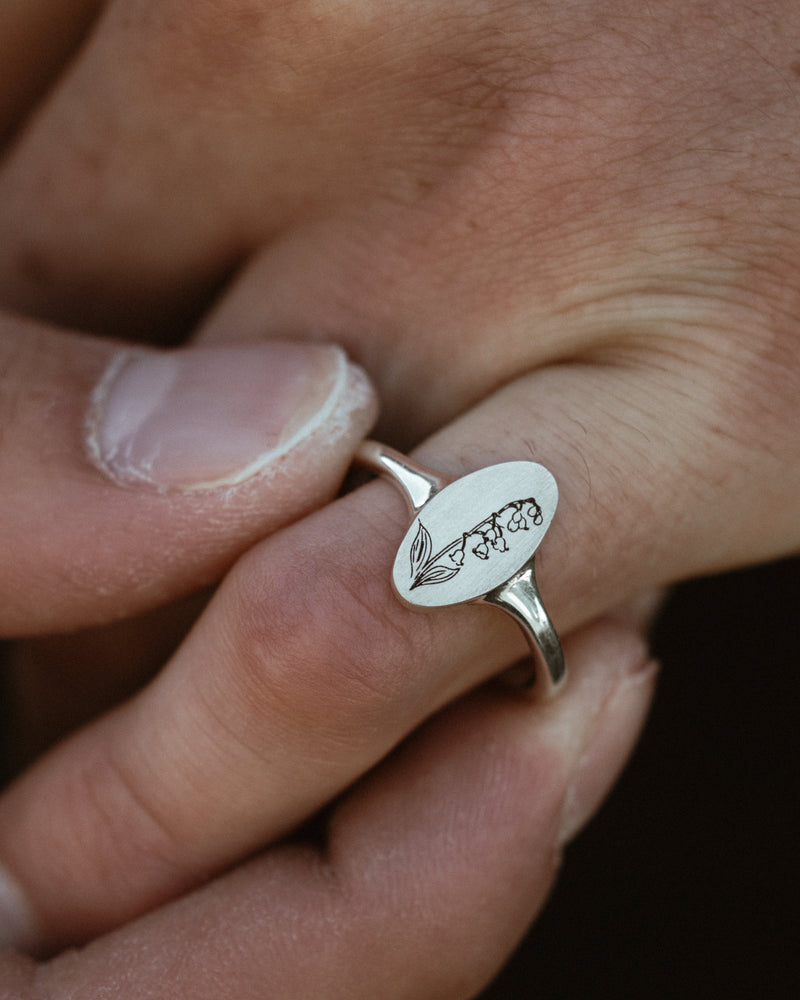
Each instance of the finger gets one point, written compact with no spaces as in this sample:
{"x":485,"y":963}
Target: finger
{"x":54,"y":684}
{"x":36,"y":39}
{"x":188,"y":136}
{"x":131,"y":477}
{"x":461,"y":830}
{"x":347,"y":176}
{"x":304,"y":672}
{"x":100,"y":141}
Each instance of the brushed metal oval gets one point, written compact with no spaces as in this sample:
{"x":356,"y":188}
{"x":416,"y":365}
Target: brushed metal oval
{"x":475,"y":534}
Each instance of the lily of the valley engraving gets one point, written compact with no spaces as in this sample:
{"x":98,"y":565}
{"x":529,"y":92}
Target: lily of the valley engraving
{"x":489,"y":536}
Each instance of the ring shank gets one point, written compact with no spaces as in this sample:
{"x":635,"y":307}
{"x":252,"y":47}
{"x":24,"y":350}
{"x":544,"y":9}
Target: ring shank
{"x":415,"y":482}
{"x":519,"y":597}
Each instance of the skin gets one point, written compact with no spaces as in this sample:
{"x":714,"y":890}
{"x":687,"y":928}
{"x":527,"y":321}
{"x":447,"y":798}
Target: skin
{"x":568,"y":232}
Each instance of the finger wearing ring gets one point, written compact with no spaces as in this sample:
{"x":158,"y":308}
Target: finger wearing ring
{"x":473,"y":540}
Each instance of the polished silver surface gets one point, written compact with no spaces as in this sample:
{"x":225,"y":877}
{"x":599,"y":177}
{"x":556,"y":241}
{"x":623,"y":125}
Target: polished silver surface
{"x":519,"y":597}
{"x":417,"y":484}
{"x":473,"y":540}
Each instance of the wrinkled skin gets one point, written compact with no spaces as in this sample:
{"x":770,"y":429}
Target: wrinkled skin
{"x":568,"y":231}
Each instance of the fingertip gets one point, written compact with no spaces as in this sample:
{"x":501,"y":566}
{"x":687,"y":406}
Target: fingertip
{"x":17,"y":924}
{"x":470,"y":815}
{"x":202,"y":418}
{"x":594,"y":722}
{"x":135,"y":476}
{"x":604,"y":755}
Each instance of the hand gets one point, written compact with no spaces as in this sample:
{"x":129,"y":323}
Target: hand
{"x":494,"y":771}
{"x":132,"y":478}
{"x":600,"y":201}
{"x":426,"y":872}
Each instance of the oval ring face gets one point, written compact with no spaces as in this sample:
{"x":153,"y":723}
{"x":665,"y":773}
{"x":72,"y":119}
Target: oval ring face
{"x":475,"y":534}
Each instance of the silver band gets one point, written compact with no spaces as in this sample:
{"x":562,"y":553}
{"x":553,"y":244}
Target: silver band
{"x":473,"y":540}
{"x":415,"y":482}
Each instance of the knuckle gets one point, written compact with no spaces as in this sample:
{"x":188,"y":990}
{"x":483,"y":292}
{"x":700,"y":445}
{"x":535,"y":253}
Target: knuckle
{"x":97,"y":859}
{"x":126,"y":829}
{"x":326,"y":645}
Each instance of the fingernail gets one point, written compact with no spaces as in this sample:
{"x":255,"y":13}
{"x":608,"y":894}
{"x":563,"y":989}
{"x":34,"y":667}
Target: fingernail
{"x":16,"y":919}
{"x":606,"y":744}
{"x":205,"y":417}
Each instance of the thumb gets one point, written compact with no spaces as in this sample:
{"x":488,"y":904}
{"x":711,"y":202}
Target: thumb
{"x":131,"y":476}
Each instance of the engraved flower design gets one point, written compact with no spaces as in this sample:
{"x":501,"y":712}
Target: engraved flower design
{"x":534,"y":511}
{"x":481,"y":541}
{"x":481,"y":550}
{"x":456,"y":557}
{"x":495,"y":537}
{"x":517,"y":522}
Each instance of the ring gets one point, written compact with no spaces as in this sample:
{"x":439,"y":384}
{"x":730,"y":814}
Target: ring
{"x":473,"y":541}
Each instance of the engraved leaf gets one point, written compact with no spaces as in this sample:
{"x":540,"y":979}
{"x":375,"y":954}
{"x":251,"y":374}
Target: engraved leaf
{"x":435,"y":574}
{"x":421,"y":549}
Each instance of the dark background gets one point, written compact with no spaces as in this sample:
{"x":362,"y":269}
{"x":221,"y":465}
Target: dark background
{"x":687,"y":882}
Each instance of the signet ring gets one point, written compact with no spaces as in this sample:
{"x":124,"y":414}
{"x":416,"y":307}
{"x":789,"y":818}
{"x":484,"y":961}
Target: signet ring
{"x":473,"y":540}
